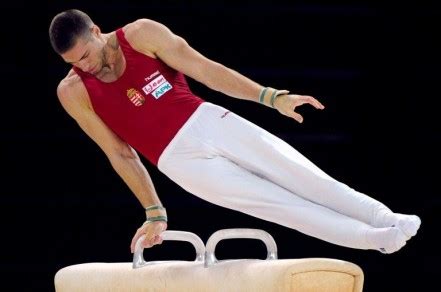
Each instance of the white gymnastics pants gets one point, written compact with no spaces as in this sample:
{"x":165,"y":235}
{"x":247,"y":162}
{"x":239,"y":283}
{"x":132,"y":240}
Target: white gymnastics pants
{"x":229,"y":161}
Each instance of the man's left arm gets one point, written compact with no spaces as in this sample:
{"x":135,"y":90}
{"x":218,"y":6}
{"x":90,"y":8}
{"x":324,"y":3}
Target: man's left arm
{"x":152,"y":37}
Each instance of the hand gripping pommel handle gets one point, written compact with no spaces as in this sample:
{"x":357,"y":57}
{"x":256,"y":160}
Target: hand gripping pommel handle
{"x":138,"y":256}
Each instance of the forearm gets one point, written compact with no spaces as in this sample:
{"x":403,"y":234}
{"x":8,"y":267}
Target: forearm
{"x":135,"y":175}
{"x":232,"y":83}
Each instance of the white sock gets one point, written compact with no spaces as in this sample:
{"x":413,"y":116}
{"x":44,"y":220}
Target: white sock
{"x":386,"y":240}
{"x":409,"y":224}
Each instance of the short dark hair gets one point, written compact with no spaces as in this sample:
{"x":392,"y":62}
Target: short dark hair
{"x":66,"y":27}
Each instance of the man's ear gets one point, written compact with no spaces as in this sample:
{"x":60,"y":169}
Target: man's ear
{"x":95,"y":30}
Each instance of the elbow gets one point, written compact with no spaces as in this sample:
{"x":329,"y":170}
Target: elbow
{"x":129,"y":153}
{"x":124,"y":152}
{"x":122,"y":158}
{"x":212,"y":79}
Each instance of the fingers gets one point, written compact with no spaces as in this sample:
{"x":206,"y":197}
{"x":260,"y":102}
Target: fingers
{"x":157,"y":240}
{"x":148,"y":243}
{"x":299,"y":100}
{"x":296,"y":116}
{"x":152,"y":233}
{"x":302,"y":99}
{"x":289,"y":111}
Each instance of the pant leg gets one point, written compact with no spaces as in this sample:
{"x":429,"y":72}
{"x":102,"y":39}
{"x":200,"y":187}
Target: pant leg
{"x":267,"y":156}
{"x":199,"y":168}
{"x":222,"y":182}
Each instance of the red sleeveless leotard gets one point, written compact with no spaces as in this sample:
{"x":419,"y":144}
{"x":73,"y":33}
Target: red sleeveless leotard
{"x":147,"y":105}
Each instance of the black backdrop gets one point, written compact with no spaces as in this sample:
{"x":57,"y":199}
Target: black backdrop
{"x":375,"y":67}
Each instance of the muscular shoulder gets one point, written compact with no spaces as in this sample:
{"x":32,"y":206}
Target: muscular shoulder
{"x":146,"y":35}
{"x":141,"y":27}
{"x":73,"y":94}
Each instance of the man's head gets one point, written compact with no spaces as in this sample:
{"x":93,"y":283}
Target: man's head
{"x":78,"y":40}
{"x":67,"y":27}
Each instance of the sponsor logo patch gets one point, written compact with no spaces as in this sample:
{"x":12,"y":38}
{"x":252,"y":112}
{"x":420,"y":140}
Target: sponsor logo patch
{"x":151,"y":75}
{"x":162,"y":89}
{"x":157,"y":87}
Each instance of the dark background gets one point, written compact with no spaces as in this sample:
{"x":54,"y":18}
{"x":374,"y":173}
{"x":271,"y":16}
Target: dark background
{"x":374,"y":67}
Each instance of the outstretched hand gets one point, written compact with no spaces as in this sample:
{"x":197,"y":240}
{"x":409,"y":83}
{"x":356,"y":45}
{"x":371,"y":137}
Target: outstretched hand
{"x":152,"y":232}
{"x":287,"y":103}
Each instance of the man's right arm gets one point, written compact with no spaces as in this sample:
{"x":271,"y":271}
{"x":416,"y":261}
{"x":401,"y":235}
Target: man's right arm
{"x":124,"y":159}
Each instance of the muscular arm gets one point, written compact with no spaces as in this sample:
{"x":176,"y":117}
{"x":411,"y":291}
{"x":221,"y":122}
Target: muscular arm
{"x":124,"y":159}
{"x":148,"y":36}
